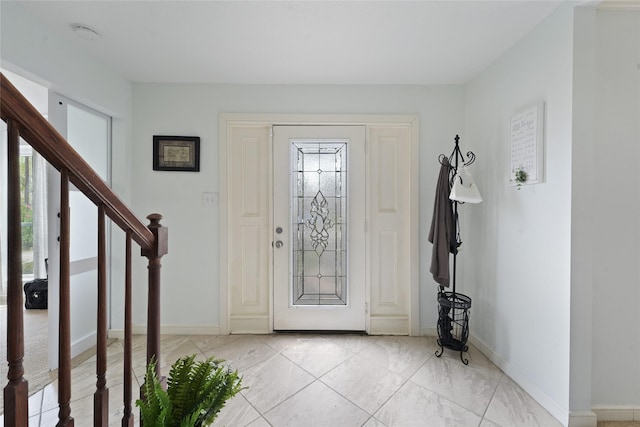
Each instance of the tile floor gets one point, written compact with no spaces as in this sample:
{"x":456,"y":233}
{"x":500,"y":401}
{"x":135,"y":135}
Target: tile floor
{"x":325,"y":381}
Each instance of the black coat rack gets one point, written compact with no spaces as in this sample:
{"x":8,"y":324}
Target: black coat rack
{"x":454,"y":307}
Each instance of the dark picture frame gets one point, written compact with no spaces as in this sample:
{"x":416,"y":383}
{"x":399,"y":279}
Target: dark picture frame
{"x":176,"y":153}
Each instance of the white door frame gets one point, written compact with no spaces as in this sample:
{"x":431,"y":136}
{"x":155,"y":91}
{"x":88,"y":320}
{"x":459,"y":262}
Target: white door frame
{"x":229,"y":120}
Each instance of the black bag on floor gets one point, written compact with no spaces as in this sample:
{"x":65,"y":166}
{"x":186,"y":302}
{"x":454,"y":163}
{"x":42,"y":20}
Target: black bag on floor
{"x":36,"y":294}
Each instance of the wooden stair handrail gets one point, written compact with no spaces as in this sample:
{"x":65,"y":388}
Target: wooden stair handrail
{"x":43,"y":137}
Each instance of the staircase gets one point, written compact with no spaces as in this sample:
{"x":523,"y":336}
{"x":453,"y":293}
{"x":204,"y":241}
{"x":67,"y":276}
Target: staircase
{"x":24,"y":121}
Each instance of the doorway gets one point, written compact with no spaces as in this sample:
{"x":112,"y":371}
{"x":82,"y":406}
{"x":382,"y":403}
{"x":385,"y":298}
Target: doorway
{"x":33,"y":200}
{"x":89,"y":133}
{"x":276,"y":226}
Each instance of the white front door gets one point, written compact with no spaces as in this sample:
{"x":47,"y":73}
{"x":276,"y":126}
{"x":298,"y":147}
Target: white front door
{"x":319,"y":220}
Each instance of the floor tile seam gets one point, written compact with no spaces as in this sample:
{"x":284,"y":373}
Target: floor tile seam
{"x":391,"y":397}
{"x":312,"y":379}
{"x":79,"y":376}
{"x":217,"y":346}
{"x":260,"y":417}
{"x":406,"y":380}
{"x":255,"y":419}
{"x":77,"y":399}
{"x":39,"y":414}
{"x":302,"y":368}
{"x":372,"y":359}
{"x":108,"y":384}
{"x":72,"y":400}
{"x":229,"y":363}
{"x":495,"y":390}
{"x":310,"y":373}
{"x":190,"y":339}
{"x":199,"y":350}
{"x":373,"y":417}
{"x":384,"y":366}
{"x":272,"y":347}
{"x":421,"y":366}
{"x":456,"y":403}
{"x":345,"y":397}
{"x":449,"y":400}
{"x":263,"y":414}
{"x":212,"y":351}
{"x":380,"y":366}
{"x":261,"y":362}
{"x":57,"y":408}
{"x":355,"y":404}
{"x":41,"y":400}
{"x":480,"y":371}
{"x":485,"y":371}
{"x":254,"y":408}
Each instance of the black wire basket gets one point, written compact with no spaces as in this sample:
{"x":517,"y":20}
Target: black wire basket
{"x":453,"y":323}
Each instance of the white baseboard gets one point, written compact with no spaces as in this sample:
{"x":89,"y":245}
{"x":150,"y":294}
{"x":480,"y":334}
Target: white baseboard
{"x":428,"y":332}
{"x":583,"y":419}
{"x":389,"y":325}
{"x":617,"y":413}
{"x":168,"y":330}
{"x":83,"y":344}
{"x":249,"y":325}
{"x":557,"y":411}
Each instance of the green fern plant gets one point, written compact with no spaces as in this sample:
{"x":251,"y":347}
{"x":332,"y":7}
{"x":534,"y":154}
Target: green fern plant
{"x":196,"y":392}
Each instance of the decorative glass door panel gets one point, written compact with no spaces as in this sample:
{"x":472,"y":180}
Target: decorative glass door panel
{"x":319,"y":211}
{"x":319,"y":214}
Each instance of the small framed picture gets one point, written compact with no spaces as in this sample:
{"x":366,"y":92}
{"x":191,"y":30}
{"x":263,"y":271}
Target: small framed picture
{"x":176,"y":153}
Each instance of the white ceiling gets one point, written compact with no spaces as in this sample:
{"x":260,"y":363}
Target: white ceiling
{"x":296,"y":42}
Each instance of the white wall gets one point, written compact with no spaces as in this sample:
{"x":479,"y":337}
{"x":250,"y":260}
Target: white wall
{"x":582,"y":225}
{"x":190,"y":271}
{"x":516,"y":263}
{"x":605,"y":332}
{"x":615,"y":211}
{"x":29,"y":50}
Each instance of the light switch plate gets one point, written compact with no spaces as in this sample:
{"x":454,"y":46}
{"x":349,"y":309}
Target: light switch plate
{"x":209,"y":200}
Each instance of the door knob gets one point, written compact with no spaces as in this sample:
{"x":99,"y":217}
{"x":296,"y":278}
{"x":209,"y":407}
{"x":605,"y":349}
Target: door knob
{"x":279,"y":244}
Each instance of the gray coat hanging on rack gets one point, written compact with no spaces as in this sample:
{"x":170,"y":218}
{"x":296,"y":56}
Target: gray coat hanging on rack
{"x":443,"y":228}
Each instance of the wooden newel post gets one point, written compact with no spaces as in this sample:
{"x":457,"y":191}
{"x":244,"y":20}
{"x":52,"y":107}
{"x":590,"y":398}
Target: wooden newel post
{"x":153,"y":308}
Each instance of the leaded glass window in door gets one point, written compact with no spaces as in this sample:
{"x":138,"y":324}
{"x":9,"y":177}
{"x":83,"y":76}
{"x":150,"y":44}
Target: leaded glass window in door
{"x":319,"y":214}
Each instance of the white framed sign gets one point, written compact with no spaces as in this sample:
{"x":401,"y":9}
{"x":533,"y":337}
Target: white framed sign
{"x":527,"y":145}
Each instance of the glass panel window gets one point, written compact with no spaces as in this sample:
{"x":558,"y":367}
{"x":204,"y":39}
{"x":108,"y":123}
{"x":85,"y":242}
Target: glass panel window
{"x":26,"y":207}
{"x":319,"y":182}
{"x":33,"y":194}
{"x":33,"y":212}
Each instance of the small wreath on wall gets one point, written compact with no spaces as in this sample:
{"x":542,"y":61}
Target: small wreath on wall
{"x":520,"y":176}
